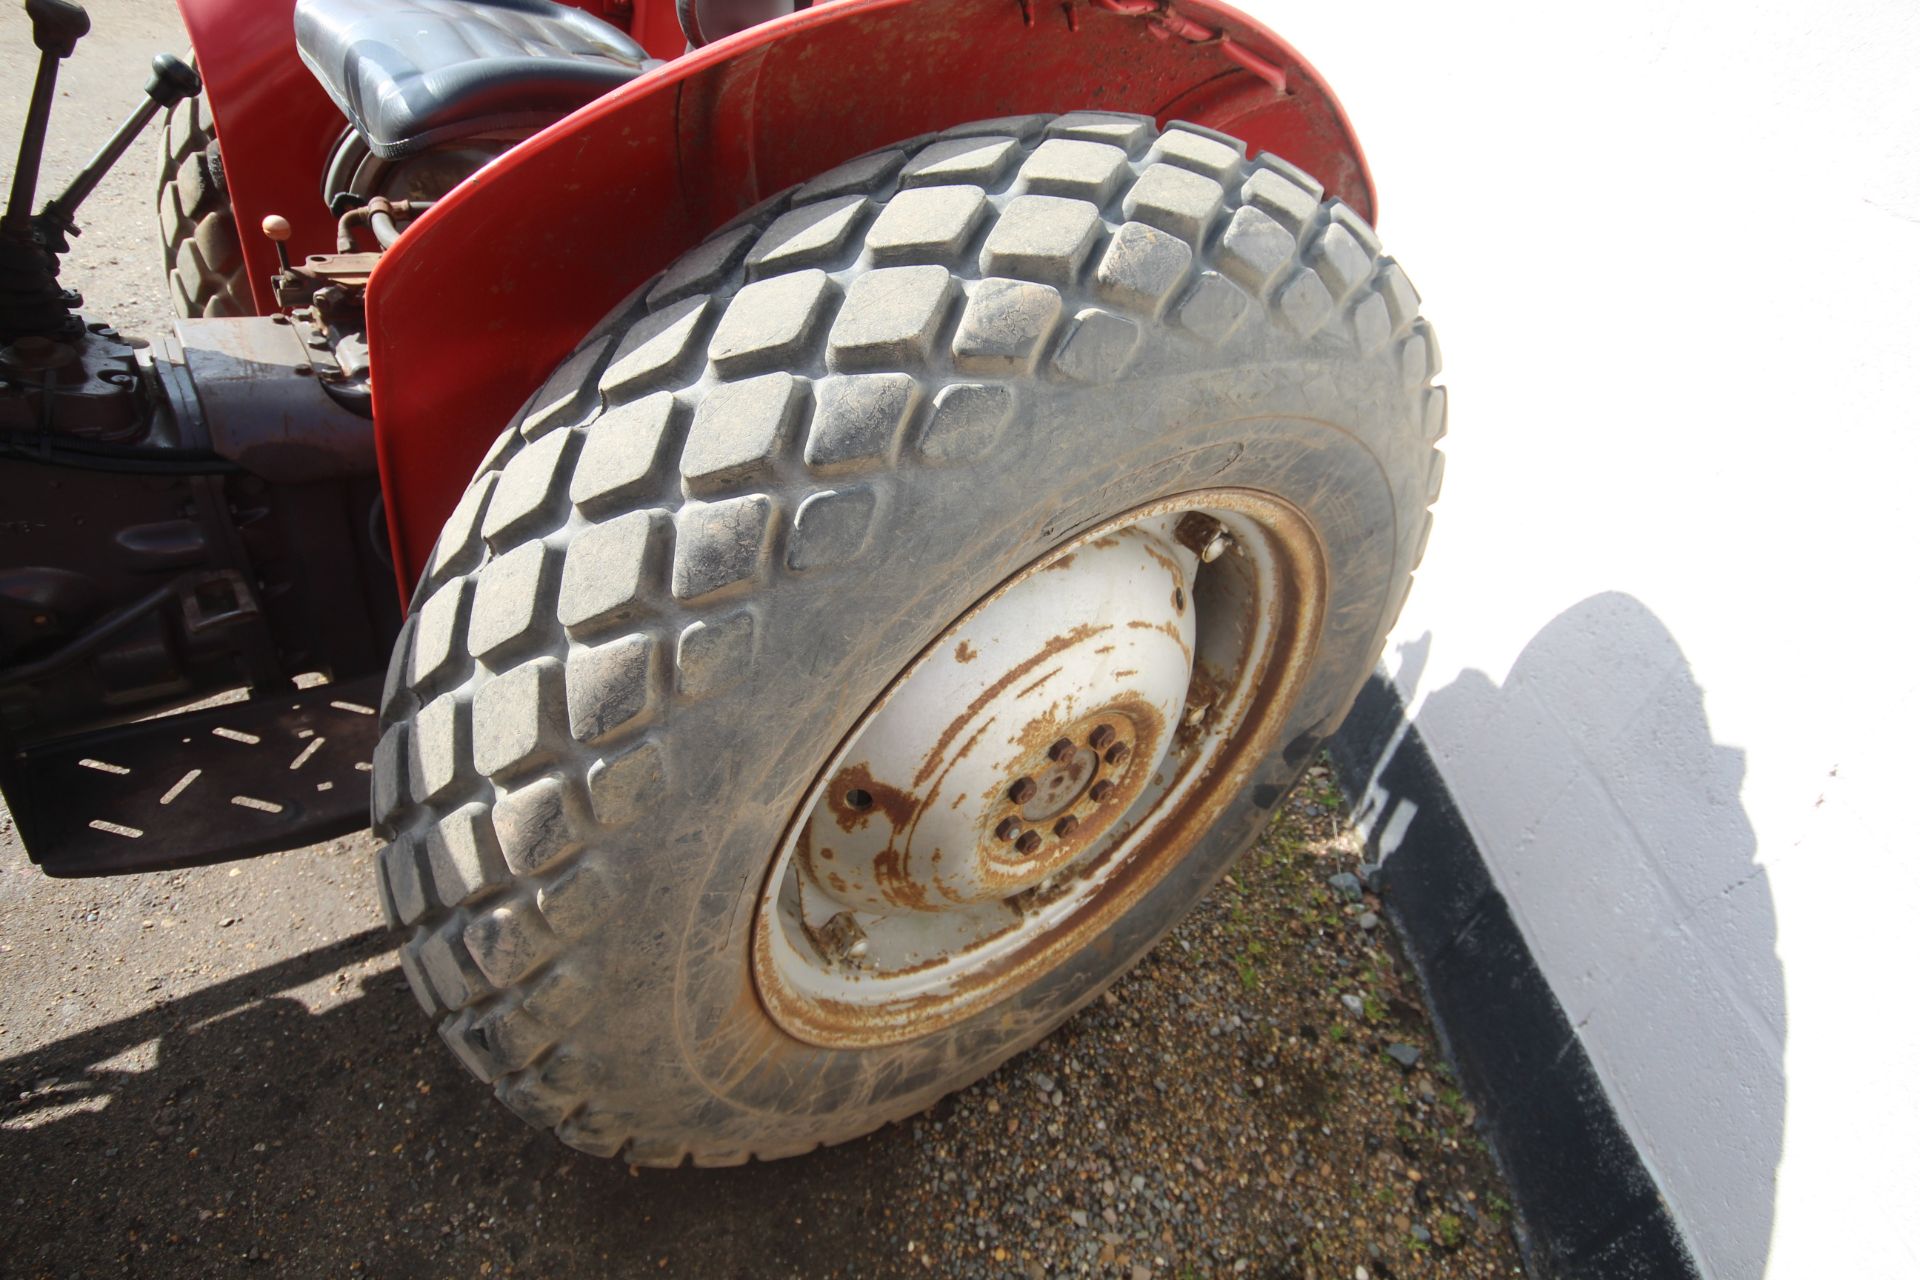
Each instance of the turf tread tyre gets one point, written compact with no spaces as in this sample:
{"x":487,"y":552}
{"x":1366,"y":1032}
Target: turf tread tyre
{"x":740,"y":422}
{"x":199,"y":240}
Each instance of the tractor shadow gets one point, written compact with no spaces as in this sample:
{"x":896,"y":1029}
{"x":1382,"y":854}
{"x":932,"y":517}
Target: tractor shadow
{"x":235,"y":1131}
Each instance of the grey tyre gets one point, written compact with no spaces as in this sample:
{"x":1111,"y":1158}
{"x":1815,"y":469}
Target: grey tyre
{"x":756,"y":494}
{"x":199,"y":241}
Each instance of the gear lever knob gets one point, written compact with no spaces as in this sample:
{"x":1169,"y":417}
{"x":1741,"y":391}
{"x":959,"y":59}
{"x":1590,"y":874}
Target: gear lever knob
{"x":57,"y":25}
{"x":278,"y":230}
{"x":173,"y":80}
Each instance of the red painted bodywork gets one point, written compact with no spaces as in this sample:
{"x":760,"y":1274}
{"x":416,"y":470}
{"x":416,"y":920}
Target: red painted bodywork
{"x":484,"y":295}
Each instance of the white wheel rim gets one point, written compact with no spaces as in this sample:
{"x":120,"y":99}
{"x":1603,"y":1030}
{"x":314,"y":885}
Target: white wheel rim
{"x":960,"y":842}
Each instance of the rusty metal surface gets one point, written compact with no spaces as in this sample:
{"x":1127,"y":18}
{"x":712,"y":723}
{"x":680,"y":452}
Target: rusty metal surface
{"x":366,"y":215}
{"x":348,"y":270}
{"x":1245,"y":676}
{"x":259,"y":388}
{"x":199,"y":787}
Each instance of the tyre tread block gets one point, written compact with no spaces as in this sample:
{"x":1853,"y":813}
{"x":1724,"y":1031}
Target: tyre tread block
{"x":199,"y":241}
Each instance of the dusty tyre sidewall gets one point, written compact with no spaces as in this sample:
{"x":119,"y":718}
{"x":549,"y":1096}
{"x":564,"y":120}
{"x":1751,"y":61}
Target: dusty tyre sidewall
{"x":642,"y":1032}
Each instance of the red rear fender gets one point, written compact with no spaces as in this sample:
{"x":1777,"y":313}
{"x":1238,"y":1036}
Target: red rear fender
{"x":484,"y":296}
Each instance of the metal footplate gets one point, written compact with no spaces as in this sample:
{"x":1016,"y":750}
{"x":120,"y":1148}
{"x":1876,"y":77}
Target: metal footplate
{"x":199,"y":787}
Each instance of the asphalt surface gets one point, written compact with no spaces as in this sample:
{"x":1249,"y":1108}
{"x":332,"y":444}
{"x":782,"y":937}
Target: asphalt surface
{"x":220,"y":1071}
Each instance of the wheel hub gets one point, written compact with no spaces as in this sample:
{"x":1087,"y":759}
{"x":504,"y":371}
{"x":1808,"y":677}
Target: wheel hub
{"x":934,"y":810}
{"x":1076,"y":795}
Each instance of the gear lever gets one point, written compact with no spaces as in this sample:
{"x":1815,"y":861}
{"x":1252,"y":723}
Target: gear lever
{"x":31,"y":299}
{"x":57,"y":28}
{"x":172,"y":81}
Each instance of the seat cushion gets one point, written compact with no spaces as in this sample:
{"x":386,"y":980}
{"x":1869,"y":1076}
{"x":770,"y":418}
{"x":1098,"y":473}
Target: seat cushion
{"x":409,"y":73}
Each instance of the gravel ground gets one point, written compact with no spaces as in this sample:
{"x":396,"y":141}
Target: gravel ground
{"x":1261,"y":1096}
{"x":220,"y":1071}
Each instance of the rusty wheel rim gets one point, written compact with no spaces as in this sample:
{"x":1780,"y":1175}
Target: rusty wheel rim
{"x":1038,"y":768}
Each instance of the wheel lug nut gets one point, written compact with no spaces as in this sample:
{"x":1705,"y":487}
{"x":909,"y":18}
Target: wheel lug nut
{"x":1066,"y":826}
{"x":1116,"y":753}
{"x":1100,"y":791}
{"x":1060,"y":750}
{"x":1028,"y":842}
{"x":1100,"y":737}
{"x":1022,"y":790}
{"x":1008,"y":828}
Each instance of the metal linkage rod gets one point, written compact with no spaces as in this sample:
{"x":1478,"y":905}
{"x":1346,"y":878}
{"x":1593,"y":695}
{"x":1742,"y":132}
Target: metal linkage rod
{"x":172,"y":81}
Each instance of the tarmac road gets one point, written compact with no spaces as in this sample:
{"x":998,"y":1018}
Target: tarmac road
{"x":221,"y":1071}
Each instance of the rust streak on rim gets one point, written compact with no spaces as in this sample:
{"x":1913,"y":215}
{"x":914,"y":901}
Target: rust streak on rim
{"x":1052,"y":647}
{"x":1289,"y":611}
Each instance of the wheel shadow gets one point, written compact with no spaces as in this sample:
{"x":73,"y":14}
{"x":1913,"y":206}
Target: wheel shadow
{"x":237,"y":1131}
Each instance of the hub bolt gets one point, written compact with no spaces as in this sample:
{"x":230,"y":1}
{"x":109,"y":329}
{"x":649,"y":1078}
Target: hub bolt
{"x":1022,"y":790}
{"x":1101,"y":737}
{"x":1066,"y":826}
{"x":1028,"y":842}
{"x":1116,"y":753}
{"x":1008,"y":828}
{"x":1060,"y":751}
{"x":1100,"y":791}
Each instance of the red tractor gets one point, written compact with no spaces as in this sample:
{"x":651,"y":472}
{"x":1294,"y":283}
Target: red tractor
{"x":884,"y":498}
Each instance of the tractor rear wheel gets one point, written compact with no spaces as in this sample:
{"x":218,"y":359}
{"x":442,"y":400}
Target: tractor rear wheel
{"x":199,"y":241}
{"x":889,"y":622}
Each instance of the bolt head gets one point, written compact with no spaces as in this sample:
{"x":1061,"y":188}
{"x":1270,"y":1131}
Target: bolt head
{"x":1100,"y":791}
{"x":1101,"y":738}
{"x":1022,"y":790}
{"x":1066,"y":826}
{"x":1116,"y":753}
{"x":1008,"y":829}
{"x":1028,"y":842}
{"x":1060,"y":751}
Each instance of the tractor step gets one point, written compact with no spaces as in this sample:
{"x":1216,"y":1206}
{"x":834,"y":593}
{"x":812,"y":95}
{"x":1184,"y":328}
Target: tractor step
{"x":201,"y":786}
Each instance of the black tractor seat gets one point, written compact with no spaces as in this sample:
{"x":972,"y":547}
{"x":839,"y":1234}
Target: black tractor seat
{"x":410,"y":73}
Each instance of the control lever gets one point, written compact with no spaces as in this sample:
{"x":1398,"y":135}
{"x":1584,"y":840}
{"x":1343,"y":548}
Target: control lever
{"x":172,"y":81}
{"x":57,"y":28}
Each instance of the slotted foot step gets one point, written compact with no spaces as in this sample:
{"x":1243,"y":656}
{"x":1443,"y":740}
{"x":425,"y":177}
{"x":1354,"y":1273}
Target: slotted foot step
{"x":199,"y":787}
